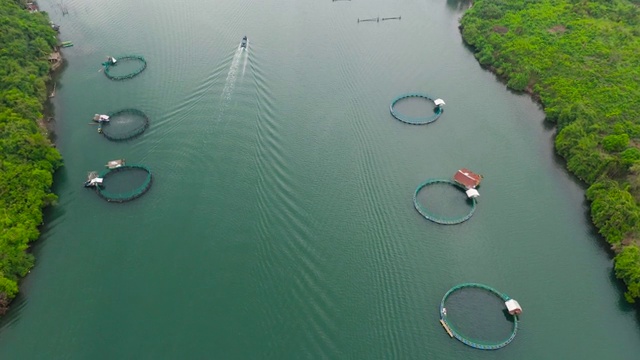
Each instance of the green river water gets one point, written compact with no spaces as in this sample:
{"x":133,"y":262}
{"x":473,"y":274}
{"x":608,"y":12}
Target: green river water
{"x":280,"y":223}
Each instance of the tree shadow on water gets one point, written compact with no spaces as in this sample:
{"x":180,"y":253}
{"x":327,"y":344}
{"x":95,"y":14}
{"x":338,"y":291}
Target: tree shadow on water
{"x":14,"y":311}
{"x":459,"y":5}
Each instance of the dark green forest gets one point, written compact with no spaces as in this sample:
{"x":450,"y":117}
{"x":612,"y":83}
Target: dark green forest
{"x":27,"y":159}
{"x":581,"y":60}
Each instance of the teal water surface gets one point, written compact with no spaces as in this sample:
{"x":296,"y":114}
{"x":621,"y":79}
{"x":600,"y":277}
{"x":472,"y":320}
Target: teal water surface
{"x":280,"y":223}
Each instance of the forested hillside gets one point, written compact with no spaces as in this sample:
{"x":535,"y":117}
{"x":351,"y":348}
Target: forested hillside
{"x":27,"y":159}
{"x":581,"y":60}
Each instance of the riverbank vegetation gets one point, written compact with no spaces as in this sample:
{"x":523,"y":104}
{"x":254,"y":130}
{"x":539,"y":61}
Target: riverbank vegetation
{"x":27,"y":159}
{"x":581,"y":60}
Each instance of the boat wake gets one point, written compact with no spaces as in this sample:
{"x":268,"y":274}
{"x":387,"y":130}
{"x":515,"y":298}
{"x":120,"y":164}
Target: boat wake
{"x":244,"y":65}
{"x":230,"y":83}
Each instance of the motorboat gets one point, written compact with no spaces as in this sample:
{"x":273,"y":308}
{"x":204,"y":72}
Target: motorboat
{"x":243,"y":44}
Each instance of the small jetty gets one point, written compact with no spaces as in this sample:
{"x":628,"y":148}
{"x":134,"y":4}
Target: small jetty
{"x":446,"y":328}
{"x":55,"y":60}
{"x":469,"y":180}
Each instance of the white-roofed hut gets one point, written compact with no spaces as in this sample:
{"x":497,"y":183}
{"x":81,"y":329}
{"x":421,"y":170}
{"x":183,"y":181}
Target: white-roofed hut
{"x":99,"y":118}
{"x":472,"y":193}
{"x":513,"y":307}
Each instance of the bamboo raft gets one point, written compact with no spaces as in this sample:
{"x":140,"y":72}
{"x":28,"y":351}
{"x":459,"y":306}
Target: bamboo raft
{"x":446,"y":327}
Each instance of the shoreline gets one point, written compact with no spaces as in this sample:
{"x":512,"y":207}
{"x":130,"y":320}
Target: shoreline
{"x":607,"y":159}
{"x":48,"y":121}
{"x":31,"y":66}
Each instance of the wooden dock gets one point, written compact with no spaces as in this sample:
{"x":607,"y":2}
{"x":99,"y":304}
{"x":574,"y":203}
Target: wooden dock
{"x":446,"y":327}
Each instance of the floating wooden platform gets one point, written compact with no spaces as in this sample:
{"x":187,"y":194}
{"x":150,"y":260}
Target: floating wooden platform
{"x":446,"y":327}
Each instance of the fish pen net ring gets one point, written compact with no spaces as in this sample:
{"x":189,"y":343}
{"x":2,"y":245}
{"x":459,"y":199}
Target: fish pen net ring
{"x":437,"y":110}
{"x":109,"y":65}
{"x":109,"y":131}
{"x":441,"y":219}
{"x":476,"y":343}
{"x":129,"y":195}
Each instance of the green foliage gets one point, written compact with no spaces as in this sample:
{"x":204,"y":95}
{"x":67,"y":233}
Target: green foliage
{"x":630,"y":156}
{"x":615,"y":143}
{"x":613,"y":210}
{"x":519,"y":81}
{"x":27,"y":159}
{"x":8,"y":287}
{"x":582,"y":60}
{"x":628,"y":269}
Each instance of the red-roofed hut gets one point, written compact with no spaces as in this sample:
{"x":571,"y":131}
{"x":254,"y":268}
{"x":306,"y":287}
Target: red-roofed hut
{"x":467,"y":178}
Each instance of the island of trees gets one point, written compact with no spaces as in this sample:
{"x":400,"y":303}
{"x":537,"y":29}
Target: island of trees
{"x":27,"y":159}
{"x":581,"y":60}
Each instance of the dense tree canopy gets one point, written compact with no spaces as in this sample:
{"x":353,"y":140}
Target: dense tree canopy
{"x":27,"y":159}
{"x":581,"y":59}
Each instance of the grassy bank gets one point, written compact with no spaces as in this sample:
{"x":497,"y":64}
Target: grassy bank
{"x":581,"y":60}
{"x":27,"y":159}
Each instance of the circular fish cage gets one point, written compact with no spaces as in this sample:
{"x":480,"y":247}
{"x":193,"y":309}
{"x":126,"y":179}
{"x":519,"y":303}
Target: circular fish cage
{"x":124,"y":196}
{"x":475,"y":343}
{"x":441,"y":219}
{"x":437,"y":110}
{"x":108,"y":130}
{"x":109,"y":65}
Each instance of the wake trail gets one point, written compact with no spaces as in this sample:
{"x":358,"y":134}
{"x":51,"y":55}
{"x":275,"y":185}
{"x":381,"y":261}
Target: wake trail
{"x":244,"y":65}
{"x":230,"y":83}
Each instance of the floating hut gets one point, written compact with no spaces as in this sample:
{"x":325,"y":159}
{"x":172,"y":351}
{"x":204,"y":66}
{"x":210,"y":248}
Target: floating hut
{"x":93,"y":180}
{"x":115,"y":163}
{"x":469,"y":180}
{"x":513,"y":307}
{"x":472,"y":193}
{"x":100,"y":118}
{"x":439,"y":102}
